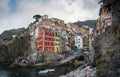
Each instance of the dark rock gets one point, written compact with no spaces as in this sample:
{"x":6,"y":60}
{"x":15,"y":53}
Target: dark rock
{"x":14,"y":48}
{"x":107,"y":54}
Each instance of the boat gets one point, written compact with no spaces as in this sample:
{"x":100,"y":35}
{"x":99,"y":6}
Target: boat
{"x":51,"y":70}
{"x":43,"y":72}
{"x":46,"y":71}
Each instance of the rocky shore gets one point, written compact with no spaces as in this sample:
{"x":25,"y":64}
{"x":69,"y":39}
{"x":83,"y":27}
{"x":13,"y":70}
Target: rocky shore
{"x":83,"y":71}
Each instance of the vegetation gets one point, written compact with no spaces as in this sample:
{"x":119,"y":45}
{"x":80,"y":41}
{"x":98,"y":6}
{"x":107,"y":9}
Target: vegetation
{"x":37,"y":17}
{"x":7,"y":35}
{"x":108,"y":44}
{"x":90,"y":23}
{"x":19,"y":46}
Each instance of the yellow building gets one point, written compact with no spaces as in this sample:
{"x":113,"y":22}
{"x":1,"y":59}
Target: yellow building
{"x":57,"y":43}
{"x":68,"y":26}
{"x":82,"y":30}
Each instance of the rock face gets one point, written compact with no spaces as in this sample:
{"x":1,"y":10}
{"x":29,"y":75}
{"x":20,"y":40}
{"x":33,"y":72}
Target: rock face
{"x":82,"y":72}
{"x":7,"y":35}
{"x":45,"y":57}
{"x":18,"y":49}
{"x":107,"y":54}
{"x":18,"y":46}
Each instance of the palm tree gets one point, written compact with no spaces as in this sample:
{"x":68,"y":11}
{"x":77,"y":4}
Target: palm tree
{"x":113,"y":7}
{"x":37,"y":17}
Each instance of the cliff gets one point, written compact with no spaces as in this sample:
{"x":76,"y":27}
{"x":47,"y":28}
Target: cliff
{"x":7,"y":35}
{"x":17,"y":46}
{"x":107,"y":54}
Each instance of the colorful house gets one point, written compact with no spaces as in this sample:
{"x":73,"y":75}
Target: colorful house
{"x":107,"y":21}
{"x":57,"y":42}
{"x":53,"y":35}
{"x":79,"y":42}
{"x":46,"y":22}
{"x":45,"y":40}
{"x":106,"y":18}
{"x":83,"y":31}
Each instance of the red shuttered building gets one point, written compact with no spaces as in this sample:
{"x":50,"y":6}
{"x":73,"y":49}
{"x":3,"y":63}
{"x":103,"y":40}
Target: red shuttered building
{"x":45,"y":40}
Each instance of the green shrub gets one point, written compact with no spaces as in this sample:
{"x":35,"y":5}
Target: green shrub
{"x":100,"y":61}
{"x":111,"y":54}
{"x":118,"y":37}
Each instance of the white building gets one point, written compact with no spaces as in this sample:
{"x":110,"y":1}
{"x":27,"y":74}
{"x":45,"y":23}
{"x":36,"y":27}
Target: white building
{"x":36,"y":32}
{"x":79,"y":42}
{"x":90,"y":30}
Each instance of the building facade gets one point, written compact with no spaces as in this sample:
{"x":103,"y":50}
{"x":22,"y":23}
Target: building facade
{"x":54,"y":35}
{"x":79,"y":42}
{"x":45,"y":40}
{"x":57,"y":43}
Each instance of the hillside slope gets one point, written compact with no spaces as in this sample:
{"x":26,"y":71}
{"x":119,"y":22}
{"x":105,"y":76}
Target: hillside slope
{"x":19,"y":46}
{"x":90,"y":23}
{"x":8,"y":34}
{"x":107,"y":54}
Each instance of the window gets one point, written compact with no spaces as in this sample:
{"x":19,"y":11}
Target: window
{"x":46,"y":38}
{"x":49,"y":34}
{"x":108,"y":23}
{"x":45,"y":43}
{"x":51,"y":43}
{"x":40,"y":47}
{"x":46,"y":33}
{"x":49,"y":38}
{"x":45,"y":48}
{"x":40,"y":42}
{"x":53,"y":39}
{"x":53,"y":34}
{"x":56,"y":44}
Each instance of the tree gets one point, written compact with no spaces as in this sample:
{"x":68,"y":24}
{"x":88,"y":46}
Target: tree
{"x":45,"y":16}
{"x":37,"y":17}
{"x":113,"y":7}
